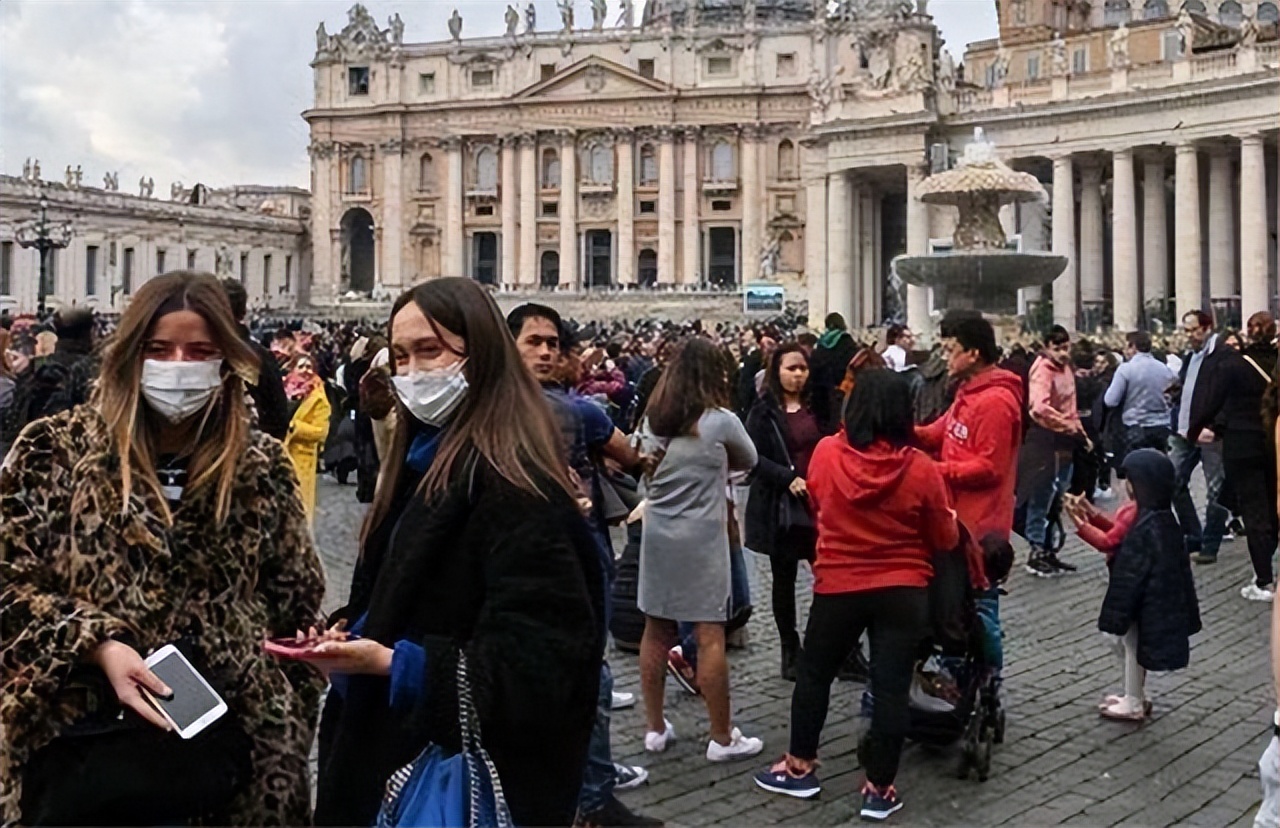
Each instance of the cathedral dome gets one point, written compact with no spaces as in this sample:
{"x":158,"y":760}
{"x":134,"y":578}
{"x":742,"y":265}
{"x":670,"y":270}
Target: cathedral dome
{"x":726,"y":12}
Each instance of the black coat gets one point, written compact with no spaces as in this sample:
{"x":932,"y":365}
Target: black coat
{"x":1151,"y":583}
{"x":826,"y":372}
{"x":744,"y":392}
{"x":767,"y":427}
{"x":513,"y":579}
{"x":268,"y":393}
{"x":1230,"y":399}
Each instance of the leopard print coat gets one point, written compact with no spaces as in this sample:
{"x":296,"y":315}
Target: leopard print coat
{"x":77,"y":569}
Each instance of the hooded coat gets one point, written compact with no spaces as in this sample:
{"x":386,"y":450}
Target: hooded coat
{"x":883,"y":511}
{"x":1151,"y":582}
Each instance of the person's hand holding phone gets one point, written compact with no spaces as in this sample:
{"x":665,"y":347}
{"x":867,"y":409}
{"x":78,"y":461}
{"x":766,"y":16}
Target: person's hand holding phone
{"x":127,"y":672}
{"x":361,"y":656}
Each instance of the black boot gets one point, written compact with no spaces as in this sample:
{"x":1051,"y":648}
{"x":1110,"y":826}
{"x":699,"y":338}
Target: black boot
{"x":790,"y":655}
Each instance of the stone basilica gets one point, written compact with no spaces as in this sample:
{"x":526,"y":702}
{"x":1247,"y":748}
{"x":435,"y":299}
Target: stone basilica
{"x":707,"y":144}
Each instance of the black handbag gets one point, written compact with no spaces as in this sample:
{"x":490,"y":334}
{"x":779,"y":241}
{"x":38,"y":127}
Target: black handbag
{"x":793,"y":512}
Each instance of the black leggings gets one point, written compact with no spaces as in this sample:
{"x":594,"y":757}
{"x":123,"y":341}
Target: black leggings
{"x":1253,"y":478}
{"x":784,"y":564}
{"x":897,"y":619}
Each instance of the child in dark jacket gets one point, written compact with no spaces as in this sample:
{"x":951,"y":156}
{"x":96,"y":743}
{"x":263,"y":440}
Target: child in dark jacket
{"x":1150,"y":610}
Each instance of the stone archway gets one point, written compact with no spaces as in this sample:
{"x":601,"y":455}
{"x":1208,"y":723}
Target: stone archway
{"x":357,"y":250}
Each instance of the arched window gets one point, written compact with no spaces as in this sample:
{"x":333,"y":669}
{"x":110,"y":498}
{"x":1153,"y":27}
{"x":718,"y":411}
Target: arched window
{"x":427,"y":173}
{"x":549,"y":272}
{"x":1230,"y":13}
{"x":550,"y":169}
{"x":1196,"y":6}
{"x":786,"y":159}
{"x":599,"y":164}
{"x":722,"y":162}
{"x":648,"y":166}
{"x":1268,"y":13}
{"x":358,"y":175}
{"x":1115,"y":12}
{"x":486,"y":170}
{"x":1155,"y":9}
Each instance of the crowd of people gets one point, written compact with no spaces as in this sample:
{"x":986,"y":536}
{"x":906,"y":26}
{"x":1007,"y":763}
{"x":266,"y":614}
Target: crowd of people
{"x":159,"y":487}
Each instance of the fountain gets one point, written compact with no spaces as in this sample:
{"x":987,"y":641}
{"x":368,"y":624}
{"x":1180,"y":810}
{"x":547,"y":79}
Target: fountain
{"x":981,"y":272}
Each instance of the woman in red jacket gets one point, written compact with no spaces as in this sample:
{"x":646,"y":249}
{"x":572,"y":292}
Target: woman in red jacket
{"x":883,"y":511}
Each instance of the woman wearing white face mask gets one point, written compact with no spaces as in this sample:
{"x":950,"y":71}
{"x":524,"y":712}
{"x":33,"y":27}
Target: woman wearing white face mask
{"x":474,"y":545}
{"x":154,"y":515}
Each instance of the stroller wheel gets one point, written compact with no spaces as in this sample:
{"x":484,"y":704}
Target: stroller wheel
{"x":997,"y":735}
{"x":982,"y":761}
{"x":968,"y":756}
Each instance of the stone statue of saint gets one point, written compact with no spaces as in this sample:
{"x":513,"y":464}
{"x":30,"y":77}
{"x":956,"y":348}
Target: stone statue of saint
{"x":599,"y":9}
{"x":512,"y":18}
{"x":1058,"y":65}
{"x":35,"y":170}
{"x":946,"y":71}
{"x":1249,"y":33}
{"x":455,"y":26}
{"x":530,"y":19}
{"x":1186,"y":31}
{"x":79,"y":174}
{"x":769,"y":258}
{"x":71,"y":177}
{"x":397,"y":29}
{"x":111,"y":182}
{"x":26,"y":169}
{"x":1119,"y":47}
{"x":627,"y":20}
{"x":1001,"y":66}
{"x":566,"y":14}
{"x":175,"y":191}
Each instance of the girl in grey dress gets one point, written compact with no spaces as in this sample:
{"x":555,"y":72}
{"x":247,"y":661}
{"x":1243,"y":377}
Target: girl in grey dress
{"x":690,"y":441}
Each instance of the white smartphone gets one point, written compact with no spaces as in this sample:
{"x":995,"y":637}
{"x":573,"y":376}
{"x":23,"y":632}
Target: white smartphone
{"x":195,"y":705}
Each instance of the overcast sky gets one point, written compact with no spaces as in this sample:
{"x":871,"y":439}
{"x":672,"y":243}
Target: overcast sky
{"x":212,"y":90}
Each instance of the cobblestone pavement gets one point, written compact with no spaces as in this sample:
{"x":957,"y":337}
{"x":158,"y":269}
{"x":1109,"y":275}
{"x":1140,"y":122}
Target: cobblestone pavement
{"x":1193,"y":763}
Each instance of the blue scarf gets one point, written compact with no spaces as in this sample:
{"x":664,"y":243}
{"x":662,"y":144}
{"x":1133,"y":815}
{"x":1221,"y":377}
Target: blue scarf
{"x":422,"y":451}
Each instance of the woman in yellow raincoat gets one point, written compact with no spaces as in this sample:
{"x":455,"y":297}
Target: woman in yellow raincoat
{"x":309,"y":427}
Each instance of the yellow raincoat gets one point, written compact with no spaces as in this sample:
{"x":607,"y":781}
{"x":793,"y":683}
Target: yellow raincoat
{"x":307,"y":433}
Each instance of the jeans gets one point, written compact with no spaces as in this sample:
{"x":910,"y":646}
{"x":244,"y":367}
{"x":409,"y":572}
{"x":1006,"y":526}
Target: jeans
{"x":1140,"y":437}
{"x":1269,"y":772}
{"x":740,"y":597}
{"x":1186,"y":457}
{"x":897,"y":619}
{"x":988,"y":610}
{"x":1253,"y":478}
{"x":1041,"y":501}
{"x":599,"y":776}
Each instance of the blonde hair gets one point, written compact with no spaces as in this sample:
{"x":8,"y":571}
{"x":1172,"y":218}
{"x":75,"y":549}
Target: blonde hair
{"x":223,"y":434}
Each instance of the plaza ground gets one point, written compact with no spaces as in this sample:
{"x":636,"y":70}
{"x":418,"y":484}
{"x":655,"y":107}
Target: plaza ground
{"x":1193,"y":763}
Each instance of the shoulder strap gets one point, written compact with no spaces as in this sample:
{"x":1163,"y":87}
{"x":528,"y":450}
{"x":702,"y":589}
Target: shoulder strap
{"x":782,"y":441}
{"x":1265,"y":376}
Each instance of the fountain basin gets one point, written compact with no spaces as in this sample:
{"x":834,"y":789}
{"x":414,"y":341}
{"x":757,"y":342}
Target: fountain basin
{"x":986,"y":281}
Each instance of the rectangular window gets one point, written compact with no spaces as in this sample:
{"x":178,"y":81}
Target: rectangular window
{"x":787,"y":66}
{"x":191,"y":260}
{"x":1080,"y":61}
{"x":1171,"y":46}
{"x":427,"y":83}
{"x":358,"y":80}
{"x":481,"y":78}
{"x":126,"y":277}
{"x":6,"y":268}
{"x":719,"y":66}
{"x":548,"y":71}
{"x":91,"y":270}
{"x":648,"y":208}
{"x":288,"y":274}
{"x":244,"y":267}
{"x":484,"y":209}
{"x":266,"y":275}
{"x":160,"y":261}
{"x":550,"y":208}
{"x":1033,"y":67}
{"x":646,"y":67}
{"x":722,"y":206}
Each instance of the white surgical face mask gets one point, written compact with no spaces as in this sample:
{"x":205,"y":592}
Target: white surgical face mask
{"x":179,"y":390}
{"x":433,"y":396}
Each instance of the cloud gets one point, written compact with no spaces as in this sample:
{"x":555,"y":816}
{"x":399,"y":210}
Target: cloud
{"x":212,"y":90}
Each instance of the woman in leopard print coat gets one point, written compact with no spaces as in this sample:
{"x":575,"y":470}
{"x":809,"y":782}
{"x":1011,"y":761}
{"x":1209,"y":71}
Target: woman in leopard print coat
{"x":82,"y":563}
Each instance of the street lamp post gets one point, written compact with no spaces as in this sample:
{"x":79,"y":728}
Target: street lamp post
{"x":44,"y":237}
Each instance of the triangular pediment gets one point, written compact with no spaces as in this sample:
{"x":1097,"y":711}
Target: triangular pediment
{"x":593,"y":76}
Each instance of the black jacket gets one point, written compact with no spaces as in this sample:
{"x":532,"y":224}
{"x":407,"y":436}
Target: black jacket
{"x":1204,"y":380}
{"x":1151,"y":583}
{"x":1230,"y":399}
{"x":514,"y":580}
{"x":826,"y":372}
{"x":744,"y":394}
{"x":268,"y":394}
{"x":767,"y":427}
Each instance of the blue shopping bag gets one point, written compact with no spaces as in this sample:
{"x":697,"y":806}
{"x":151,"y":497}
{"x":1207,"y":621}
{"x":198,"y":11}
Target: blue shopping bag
{"x":437,"y":790}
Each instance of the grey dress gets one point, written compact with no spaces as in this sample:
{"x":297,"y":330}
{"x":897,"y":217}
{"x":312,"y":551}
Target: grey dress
{"x":684,"y":553}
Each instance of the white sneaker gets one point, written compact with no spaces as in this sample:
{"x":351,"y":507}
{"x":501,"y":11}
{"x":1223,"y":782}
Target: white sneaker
{"x":1253,"y":592}
{"x":657,"y":742}
{"x":622,"y":701}
{"x":739,"y":747}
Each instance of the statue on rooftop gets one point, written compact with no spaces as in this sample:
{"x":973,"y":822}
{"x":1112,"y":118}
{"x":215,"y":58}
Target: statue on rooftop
{"x":599,"y":9}
{"x":455,"y":26}
{"x":512,"y":19}
{"x":530,"y":19}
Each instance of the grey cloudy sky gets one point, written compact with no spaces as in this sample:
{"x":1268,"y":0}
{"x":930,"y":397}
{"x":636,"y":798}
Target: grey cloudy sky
{"x":212,"y":90}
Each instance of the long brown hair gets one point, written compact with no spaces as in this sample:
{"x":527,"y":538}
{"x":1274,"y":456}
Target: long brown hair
{"x":503,"y":416}
{"x":222,"y":436}
{"x":695,"y":381}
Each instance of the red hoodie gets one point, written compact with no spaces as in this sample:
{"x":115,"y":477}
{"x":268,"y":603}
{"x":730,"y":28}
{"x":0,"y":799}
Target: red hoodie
{"x":977,"y":441}
{"x":882,"y":513}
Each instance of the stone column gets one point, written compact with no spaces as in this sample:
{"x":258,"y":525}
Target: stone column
{"x":510,"y":211}
{"x":1155,"y":232}
{"x":1222,"y":241}
{"x":1127,"y":295}
{"x":454,"y":255}
{"x":1065,"y":305}
{"x":1186,"y":230}
{"x":839,"y":237}
{"x":692,"y":242}
{"x":1253,"y":227}
{"x":528,"y":276}
{"x":324,"y":265}
{"x":666,"y":208}
{"x":626,"y":208}
{"x":749,"y":173}
{"x":1092,"y":258}
{"x":569,"y":211}
{"x":393,"y":203}
{"x":865,"y":244}
{"x":815,"y":247}
{"x":917,"y":245}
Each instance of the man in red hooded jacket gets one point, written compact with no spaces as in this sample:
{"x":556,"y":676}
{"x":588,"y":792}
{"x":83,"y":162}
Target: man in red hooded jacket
{"x":977,"y":439}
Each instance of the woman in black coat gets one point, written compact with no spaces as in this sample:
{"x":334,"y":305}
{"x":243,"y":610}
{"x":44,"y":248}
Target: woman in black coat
{"x":785,"y":431}
{"x":474,"y":544}
{"x":1150,"y":605}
